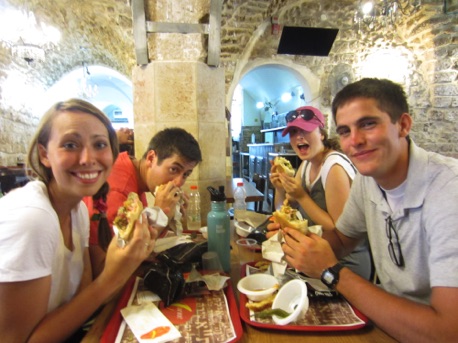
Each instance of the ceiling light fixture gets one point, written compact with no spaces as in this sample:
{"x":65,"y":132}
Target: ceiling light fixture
{"x":285,"y":97}
{"x":268,"y":106}
{"x":381,"y":12}
{"x":27,"y":38}
{"x":88,"y":89}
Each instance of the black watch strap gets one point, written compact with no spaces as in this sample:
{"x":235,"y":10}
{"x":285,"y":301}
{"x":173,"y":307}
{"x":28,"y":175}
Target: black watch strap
{"x":330,"y":276}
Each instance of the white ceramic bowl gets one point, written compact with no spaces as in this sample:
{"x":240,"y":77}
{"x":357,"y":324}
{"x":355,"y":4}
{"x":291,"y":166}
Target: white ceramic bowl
{"x":292,"y":298}
{"x":203,"y":231}
{"x":258,"y":287}
{"x":243,"y":229}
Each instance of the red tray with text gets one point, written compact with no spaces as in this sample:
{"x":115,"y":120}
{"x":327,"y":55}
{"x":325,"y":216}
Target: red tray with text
{"x":116,"y":324}
{"x":324,"y":314}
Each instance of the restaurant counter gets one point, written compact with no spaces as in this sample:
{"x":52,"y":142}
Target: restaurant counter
{"x":369,"y":333}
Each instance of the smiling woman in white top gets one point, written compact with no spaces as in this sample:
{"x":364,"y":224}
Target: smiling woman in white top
{"x":46,"y":286}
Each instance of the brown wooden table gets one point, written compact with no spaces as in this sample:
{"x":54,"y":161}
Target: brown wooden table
{"x":369,"y":333}
{"x":252,"y":194}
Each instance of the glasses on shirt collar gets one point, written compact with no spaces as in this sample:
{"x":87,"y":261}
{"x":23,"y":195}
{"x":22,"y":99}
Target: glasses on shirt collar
{"x":306,"y":114}
{"x":394,"y":247}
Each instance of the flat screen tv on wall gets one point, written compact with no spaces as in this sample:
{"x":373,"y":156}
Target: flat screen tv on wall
{"x":311,"y":41}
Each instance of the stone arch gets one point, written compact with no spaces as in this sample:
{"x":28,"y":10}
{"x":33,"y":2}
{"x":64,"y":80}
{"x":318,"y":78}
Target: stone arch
{"x":307,"y":79}
{"x":302,"y":75}
{"x":112,"y":90}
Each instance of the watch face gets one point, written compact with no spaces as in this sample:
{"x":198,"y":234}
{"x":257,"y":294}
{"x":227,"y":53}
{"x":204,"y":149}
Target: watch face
{"x":328,"y":278}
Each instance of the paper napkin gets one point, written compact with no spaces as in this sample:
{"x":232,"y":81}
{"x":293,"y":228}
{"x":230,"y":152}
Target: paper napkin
{"x":148,"y":324}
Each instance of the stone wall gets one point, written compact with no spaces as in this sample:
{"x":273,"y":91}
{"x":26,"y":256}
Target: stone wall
{"x":427,"y":40}
{"x":97,"y":32}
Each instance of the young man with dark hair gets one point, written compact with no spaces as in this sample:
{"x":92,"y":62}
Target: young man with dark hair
{"x":405,"y":200}
{"x":170,"y":158}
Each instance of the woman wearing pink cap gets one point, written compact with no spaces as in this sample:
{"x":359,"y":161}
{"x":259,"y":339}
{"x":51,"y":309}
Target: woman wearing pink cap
{"x":322,"y":182}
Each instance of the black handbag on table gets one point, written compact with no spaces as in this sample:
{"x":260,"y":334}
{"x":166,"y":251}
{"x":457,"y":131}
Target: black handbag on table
{"x":165,"y":277}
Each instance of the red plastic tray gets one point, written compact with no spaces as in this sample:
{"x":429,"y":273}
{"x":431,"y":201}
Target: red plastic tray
{"x":112,"y":328}
{"x":245,"y":315}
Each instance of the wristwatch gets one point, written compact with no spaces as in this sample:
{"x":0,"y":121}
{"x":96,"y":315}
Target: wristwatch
{"x":330,"y":276}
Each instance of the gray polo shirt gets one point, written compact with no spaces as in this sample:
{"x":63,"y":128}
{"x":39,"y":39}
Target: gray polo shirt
{"x":427,"y":225}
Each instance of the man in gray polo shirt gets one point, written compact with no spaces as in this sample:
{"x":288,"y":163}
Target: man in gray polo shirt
{"x":405,"y":200}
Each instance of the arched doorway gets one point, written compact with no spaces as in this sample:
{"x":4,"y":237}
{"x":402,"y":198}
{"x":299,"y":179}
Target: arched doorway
{"x":260,"y":99}
{"x":262,"y":94}
{"x":106,"y":88}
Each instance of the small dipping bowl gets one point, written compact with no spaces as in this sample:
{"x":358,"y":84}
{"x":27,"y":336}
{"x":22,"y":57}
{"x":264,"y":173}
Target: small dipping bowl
{"x":258,"y":287}
{"x":291,"y":298}
{"x":203,"y":231}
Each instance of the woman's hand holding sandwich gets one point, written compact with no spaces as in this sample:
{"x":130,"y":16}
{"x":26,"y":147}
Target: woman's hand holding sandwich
{"x":122,"y":262}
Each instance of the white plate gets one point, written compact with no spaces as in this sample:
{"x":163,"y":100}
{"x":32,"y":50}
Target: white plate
{"x":243,"y":229}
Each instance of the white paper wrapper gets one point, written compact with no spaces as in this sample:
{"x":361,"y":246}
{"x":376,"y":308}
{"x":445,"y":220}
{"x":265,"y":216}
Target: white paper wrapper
{"x":251,"y":218}
{"x":214,"y":282}
{"x":156,"y":217}
{"x":175,"y":223}
{"x":169,"y":242}
{"x":272,"y":251}
{"x":316,"y":229}
{"x":147,"y":318}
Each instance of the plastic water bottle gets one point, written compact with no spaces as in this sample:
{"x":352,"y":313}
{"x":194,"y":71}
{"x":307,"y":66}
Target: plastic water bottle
{"x":218,"y":224}
{"x":239,"y":200}
{"x":193,"y":212}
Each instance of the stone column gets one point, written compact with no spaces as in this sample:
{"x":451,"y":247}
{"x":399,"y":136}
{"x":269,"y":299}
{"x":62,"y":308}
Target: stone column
{"x":178,"y":89}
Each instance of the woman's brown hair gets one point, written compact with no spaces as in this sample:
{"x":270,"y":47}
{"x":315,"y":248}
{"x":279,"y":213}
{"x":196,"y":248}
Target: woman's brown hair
{"x":330,"y":143}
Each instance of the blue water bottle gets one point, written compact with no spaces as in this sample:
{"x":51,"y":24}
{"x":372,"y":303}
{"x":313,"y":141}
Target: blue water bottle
{"x":218,"y":224}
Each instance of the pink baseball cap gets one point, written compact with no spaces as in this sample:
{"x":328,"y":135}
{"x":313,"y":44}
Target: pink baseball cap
{"x":306,"y":118}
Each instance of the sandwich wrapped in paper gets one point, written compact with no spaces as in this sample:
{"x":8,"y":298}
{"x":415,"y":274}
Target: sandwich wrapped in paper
{"x":130,"y":212}
{"x":287,"y":216}
{"x":126,"y":217}
{"x":272,"y":251}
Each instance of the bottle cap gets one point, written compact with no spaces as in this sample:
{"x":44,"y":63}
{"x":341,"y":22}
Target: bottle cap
{"x":239,"y":183}
{"x":217,"y":194}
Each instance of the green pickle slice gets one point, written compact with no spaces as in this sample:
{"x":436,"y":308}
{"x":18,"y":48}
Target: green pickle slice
{"x":270,"y":312}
